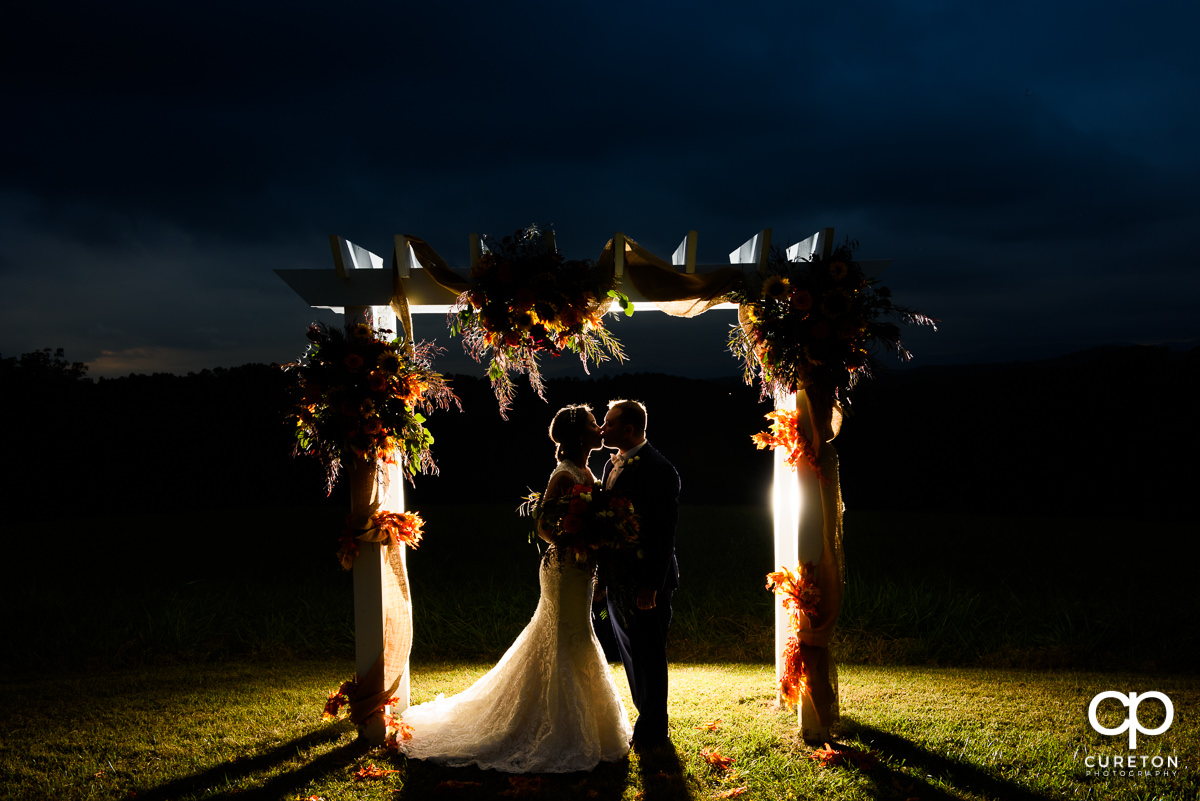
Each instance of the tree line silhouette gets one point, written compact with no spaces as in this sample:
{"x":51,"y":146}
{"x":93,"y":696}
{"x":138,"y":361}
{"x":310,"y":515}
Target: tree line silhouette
{"x":1103,"y":432}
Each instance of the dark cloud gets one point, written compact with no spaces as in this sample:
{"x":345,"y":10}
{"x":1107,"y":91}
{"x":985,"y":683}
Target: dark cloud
{"x":1031,"y":169}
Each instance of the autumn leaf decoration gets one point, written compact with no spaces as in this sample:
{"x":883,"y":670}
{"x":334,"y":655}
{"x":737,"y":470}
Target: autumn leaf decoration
{"x":785,"y":433}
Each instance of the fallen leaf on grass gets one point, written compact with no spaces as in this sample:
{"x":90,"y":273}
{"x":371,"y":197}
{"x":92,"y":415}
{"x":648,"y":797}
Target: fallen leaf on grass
{"x":455,"y":784}
{"x":732,"y":792}
{"x":831,"y":757}
{"x":714,"y":758}
{"x":521,"y":786}
{"x":712,"y":726}
{"x":371,"y":772}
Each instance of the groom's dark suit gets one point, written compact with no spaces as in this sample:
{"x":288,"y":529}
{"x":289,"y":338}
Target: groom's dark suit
{"x":651,"y":483}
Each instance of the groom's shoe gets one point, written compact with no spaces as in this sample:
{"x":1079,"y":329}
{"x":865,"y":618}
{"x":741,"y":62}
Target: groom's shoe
{"x":644,"y":745}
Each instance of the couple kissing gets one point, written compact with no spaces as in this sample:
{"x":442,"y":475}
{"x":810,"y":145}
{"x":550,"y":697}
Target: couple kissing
{"x":550,"y":705}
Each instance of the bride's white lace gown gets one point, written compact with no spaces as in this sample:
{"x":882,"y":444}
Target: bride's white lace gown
{"x":550,"y":705}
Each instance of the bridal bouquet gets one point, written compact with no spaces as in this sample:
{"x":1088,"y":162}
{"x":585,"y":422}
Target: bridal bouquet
{"x":584,"y":520}
{"x":359,"y":395}
{"x":525,"y":300}
{"x":816,"y":323}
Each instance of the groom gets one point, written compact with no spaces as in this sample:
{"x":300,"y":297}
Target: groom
{"x":640,"y":585}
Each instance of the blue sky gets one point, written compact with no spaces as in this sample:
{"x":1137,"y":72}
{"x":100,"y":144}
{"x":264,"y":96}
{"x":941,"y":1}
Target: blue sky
{"x":1031,"y":168}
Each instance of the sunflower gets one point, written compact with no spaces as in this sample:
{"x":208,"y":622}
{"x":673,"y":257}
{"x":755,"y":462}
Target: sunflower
{"x":836,"y":303}
{"x":775,"y":287}
{"x":838,"y":270}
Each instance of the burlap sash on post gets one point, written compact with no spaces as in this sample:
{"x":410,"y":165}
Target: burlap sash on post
{"x":369,"y":485}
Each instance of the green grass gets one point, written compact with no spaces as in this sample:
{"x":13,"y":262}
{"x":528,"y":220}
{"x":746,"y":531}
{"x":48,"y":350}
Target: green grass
{"x":254,"y":731}
{"x":189,"y":655}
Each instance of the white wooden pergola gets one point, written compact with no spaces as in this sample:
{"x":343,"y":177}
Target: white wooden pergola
{"x":361,"y":288}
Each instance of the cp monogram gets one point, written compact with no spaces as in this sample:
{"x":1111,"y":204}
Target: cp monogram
{"x":1131,"y":723}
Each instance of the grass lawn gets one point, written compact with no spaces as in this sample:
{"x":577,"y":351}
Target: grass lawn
{"x":189,"y":656}
{"x":254,"y":730}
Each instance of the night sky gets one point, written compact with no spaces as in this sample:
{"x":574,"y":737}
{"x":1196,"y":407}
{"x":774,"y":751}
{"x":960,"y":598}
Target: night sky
{"x":1031,"y":168}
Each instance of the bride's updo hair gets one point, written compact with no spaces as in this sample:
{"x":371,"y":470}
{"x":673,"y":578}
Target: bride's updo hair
{"x":566,"y":429}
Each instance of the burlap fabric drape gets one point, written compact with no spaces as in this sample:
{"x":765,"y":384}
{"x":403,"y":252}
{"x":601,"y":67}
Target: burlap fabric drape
{"x":825,"y":420}
{"x":369,"y":485}
{"x":678,"y":294}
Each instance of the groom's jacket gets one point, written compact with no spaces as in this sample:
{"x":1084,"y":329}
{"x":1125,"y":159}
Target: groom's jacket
{"x":651,"y":484}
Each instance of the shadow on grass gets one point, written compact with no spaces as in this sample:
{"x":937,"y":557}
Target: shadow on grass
{"x":662,"y":775}
{"x":964,"y":777}
{"x":277,"y":787}
{"x":424,"y":780}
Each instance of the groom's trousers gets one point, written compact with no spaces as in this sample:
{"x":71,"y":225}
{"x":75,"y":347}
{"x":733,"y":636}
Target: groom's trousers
{"x":642,"y":640}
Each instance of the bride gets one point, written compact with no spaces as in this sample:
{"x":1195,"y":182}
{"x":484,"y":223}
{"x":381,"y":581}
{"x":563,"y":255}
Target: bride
{"x":550,"y":705}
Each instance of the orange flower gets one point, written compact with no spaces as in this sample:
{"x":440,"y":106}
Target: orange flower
{"x":732,"y":792}
{"x":785,"y":433}
{"x":801,"y":300}
{"x":377,"y":381}
{"x":801,"y":595}
{"x":714,"y":758}
{"x":400,"y":527}
{"x":353,"y":361}
{"x":411,"y":389}
{"x":794,"y":681}
{"x":404,"y":731}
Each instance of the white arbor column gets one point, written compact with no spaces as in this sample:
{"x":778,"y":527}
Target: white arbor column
{"x":361,"y":289}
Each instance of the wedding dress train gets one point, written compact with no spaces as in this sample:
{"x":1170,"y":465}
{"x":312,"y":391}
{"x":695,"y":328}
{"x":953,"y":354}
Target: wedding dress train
{"x":550,"y":705}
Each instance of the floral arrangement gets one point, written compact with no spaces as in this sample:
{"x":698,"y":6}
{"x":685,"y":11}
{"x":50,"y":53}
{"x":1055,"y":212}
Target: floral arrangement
{"x":785,"y":433}
{"x":396,"y":728}
{"x":339,"y":698}
{"x":525,"y":300}
{"x":584,"y":520}
{"x":395,"y":528}
{"x":359,"y":395}
{"x":816,"y":323}
{"x":800,"y":598}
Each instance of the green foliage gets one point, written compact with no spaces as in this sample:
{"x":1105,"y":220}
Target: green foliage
{"x":42,"y":366}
